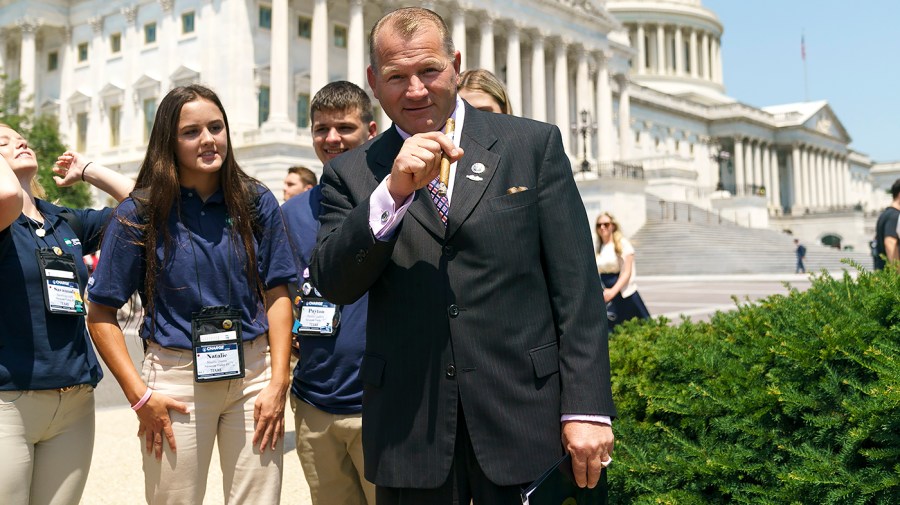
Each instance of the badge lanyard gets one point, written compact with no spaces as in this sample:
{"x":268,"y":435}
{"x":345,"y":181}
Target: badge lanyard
{"x":216,"y":332}
{"x":59,"y":274}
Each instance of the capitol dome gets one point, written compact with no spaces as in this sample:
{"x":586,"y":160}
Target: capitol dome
{"x":678,"y":47}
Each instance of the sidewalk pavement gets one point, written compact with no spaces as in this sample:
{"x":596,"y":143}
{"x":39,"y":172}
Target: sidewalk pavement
{"x":116,"y":476}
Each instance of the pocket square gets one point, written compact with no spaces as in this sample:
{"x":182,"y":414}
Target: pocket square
{"x":516,"y":189}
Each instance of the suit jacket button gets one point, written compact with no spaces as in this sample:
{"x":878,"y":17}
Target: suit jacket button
{"x":449,"y":251}
{"x":361,"y":256}
{"x":451,"y":371}
{"x":453,"y":310}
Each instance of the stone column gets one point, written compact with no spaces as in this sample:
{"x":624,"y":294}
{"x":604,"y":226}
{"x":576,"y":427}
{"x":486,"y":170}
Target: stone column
{"x":459,"y":35}
{"x":356,"y":45}
{"x":775,"y":177}
{"x":210,"y":70}
{"x":167,"y":40}
{"x":695,"y":60}
{"x":660,"y":50}
{"x":66,"y":71}
{"x":749,"y":176}
{"x":837,"y":181}
{"x":486,"y":54}
{"x":514,"y":68}
{"x":766,"y":170}
{"x":808,"y":198}
{"x":626,"y":137}
{"x":819,"y":167}
{"x":679,"y":52}
{"x":130,"y":134}
{"x":27,"y":60}
{"x":757,"y":163}
{"x":845,"y":166}
{"x":714,"y":58}
{"x":319,"y":47}
{"x":97,"y":60}
{"x":704,"y":56}
{"x":279,"y":65}
{"x":797,"y":179}
{"x":583,"y":100}
{"x":538,"y":78}
{"x":642,"y":50}
{"x":242,"y":87}
{"x":4,"y":35}
{"x":738,"y":165}
{"x":561,"y":92}
{"x":605,"y":126}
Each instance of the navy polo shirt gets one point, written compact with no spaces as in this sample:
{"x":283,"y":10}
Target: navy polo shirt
{"x":327,"y":374}
{"x":206,"y":266}
{"x":40,"y":350}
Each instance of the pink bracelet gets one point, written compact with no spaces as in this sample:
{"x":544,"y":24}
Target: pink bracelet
{"x":140,"y":403}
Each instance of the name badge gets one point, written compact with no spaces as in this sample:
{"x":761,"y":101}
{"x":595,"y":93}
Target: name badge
{"x":217,"y":344}
{"x":318,"y":317}
{"x":59,"y":278}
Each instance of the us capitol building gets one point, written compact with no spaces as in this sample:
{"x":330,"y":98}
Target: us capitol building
{"x":636,"y":86}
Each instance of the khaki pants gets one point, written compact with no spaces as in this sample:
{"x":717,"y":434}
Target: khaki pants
{"x":46,"y":444}
{"x":330,"y":450}
{"x":220,"y":411}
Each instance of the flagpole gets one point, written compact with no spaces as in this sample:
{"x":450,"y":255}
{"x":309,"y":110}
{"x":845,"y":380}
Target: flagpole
{"x":805,"y":73}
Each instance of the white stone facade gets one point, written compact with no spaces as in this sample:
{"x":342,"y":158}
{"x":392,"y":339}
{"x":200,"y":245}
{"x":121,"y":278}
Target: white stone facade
{"x":648,"y":73}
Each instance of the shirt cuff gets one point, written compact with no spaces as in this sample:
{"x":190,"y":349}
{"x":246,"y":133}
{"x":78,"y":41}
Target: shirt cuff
{"x":384,"y":216}
{"x":584,"y":417}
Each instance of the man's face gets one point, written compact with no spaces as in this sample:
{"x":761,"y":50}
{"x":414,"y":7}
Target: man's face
{"x":294,"y":185}
{"x":337,"y":131}
{"x":415,"y":80}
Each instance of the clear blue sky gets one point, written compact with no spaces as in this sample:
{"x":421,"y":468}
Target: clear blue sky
{"x":852,"y":60}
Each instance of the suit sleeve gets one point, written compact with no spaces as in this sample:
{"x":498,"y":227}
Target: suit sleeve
{"x":348,"y":259}
{"x":574,"y":287}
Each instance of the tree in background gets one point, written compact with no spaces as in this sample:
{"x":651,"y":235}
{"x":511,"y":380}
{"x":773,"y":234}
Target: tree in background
{"x":42,"y":133}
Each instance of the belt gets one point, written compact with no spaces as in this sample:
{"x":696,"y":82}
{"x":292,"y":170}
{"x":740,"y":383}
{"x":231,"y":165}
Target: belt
{"x":66,"y":389}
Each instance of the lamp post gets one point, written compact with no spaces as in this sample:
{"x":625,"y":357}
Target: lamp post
{"x":586,"y":127}
{"x":719,"y":154}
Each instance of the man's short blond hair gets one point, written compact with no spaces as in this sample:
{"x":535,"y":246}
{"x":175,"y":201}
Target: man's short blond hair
{"x":408,"y":22}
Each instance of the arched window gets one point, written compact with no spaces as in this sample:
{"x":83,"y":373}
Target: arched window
{"x":832,"y":240}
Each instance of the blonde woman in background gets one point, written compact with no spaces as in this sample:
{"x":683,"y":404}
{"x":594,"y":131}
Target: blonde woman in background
{"x":484,"y":91}
{"x":615,"y":263}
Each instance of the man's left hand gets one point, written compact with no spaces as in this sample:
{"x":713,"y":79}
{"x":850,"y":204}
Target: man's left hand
{"x":590,"y":444}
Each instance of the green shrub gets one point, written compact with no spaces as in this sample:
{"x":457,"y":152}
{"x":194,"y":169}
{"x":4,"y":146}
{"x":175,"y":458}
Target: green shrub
{"x":791,"y":400}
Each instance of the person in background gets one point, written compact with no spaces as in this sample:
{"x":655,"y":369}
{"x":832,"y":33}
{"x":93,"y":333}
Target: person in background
{"x":204,"y":245}
{"x":615,"y":263}
{"x":486,"y":353}
{"x":299,"y":179}
{"x":484,"y":91}
{"x":801,"y":255}
{"x":327,"y":390}
{"x":48,"y":369}
{"x":886,"y":230}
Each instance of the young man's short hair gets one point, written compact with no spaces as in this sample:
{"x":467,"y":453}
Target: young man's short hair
{"x":342,"y":96}
{"x":895,"y":189}
{"x":306,"y":175}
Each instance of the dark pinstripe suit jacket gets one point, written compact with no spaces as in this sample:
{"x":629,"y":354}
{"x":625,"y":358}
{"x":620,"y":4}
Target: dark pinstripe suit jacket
{"x":501,"y":311}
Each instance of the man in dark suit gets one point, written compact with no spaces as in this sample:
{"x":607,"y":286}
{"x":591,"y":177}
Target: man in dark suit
{"x":486,"y":337}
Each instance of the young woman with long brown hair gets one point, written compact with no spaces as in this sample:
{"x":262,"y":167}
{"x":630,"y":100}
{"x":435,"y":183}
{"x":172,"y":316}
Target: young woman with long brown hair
{"x":205,"y":247}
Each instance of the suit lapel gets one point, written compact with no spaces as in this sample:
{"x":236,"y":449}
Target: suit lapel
{"x":381,"y":159}
{"x":476,"y":141}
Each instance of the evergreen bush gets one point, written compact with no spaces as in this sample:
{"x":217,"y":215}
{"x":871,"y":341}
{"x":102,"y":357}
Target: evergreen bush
{"x":791,"y":400}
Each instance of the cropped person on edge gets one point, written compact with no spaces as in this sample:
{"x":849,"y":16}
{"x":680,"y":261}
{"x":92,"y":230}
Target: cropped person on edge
{"x":299,"y":179}
{"x":887,"y":232}
{"x":484,"y":91}
{"x":486,"y":355}
{"x":48,"y":369}
{"x":205,"y":247}
{"x":615,"y":263}
{"x":327,"y":390}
